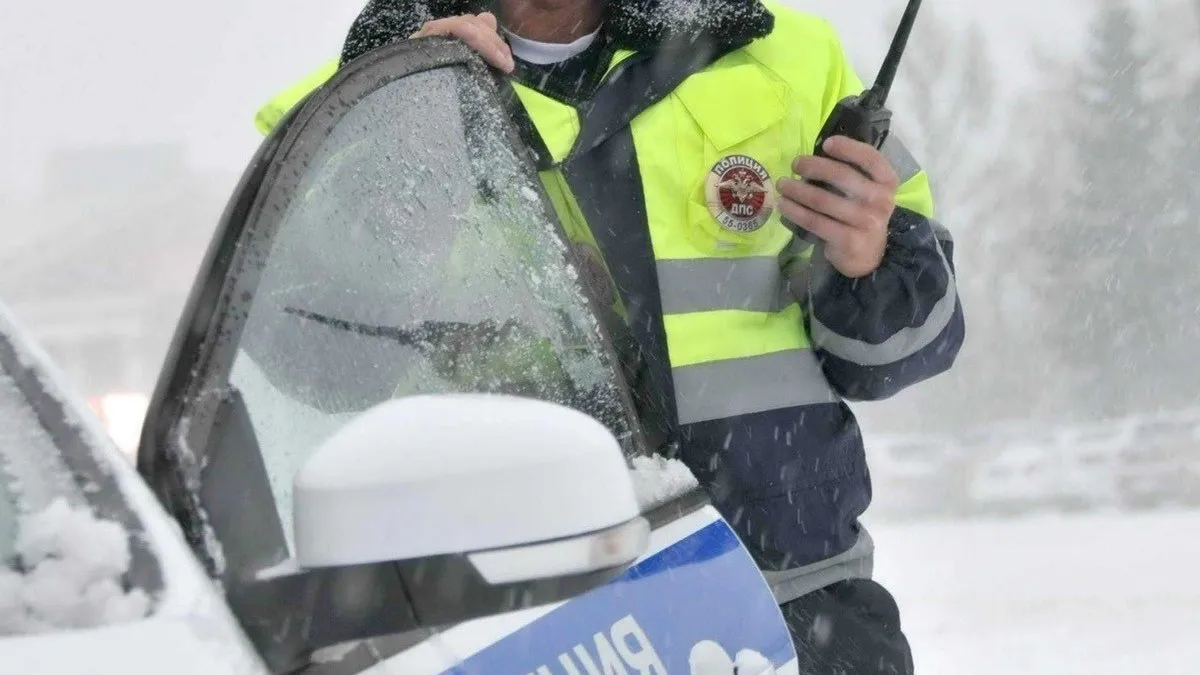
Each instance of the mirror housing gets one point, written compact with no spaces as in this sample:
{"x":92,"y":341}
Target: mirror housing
{"x":526,"y":490}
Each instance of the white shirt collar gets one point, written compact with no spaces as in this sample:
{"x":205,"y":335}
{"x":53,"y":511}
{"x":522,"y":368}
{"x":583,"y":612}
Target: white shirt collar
{"x":545,"y":53}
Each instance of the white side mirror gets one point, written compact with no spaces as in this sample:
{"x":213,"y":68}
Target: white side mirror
{"x":527,"y":490}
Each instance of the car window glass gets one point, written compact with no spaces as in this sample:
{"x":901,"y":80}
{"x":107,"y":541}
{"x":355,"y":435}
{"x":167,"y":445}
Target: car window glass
{"x":412,"y":256}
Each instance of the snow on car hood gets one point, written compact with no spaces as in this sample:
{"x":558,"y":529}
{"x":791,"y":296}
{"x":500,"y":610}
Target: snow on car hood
{"x":189,"y":628}
{"x":160,"y":644}
{"x":73,"y":564}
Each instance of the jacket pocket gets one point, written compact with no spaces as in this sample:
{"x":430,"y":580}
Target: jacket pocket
{"x":749,"y":135}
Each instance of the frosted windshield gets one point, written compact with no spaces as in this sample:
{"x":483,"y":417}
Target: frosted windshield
{"x":413,"y":256}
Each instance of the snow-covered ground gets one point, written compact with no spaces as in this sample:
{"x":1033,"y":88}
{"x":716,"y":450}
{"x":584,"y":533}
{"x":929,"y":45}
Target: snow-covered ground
{"x":1091,"y":594}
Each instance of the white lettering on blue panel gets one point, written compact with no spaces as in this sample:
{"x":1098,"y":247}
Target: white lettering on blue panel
{"x":668,"y":615}
{"x":625,"y":650}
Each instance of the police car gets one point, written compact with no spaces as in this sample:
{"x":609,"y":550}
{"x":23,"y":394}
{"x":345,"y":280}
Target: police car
{"x":390,"y":436}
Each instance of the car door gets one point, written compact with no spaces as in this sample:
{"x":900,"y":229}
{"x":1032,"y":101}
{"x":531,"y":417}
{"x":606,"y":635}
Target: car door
{"x":391,"y":239}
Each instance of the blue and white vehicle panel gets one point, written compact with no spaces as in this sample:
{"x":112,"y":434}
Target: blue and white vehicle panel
{"x":694,"y":604}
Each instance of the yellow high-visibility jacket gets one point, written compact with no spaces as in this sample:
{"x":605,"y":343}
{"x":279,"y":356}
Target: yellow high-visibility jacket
{"x":680,"y":202}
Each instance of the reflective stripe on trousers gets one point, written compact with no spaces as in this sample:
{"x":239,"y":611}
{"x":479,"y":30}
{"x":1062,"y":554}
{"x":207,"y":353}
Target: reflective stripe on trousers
{"x":857,"y":563}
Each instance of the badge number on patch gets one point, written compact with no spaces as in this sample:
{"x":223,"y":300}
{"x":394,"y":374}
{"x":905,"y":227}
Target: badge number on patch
{"x":740,"y":194}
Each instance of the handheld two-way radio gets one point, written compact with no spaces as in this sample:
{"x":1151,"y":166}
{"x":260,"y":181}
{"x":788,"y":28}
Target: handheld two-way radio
{"x":864,"y":117}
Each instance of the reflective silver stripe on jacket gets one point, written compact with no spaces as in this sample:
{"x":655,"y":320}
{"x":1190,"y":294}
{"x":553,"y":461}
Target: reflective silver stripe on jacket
{"x":904,"y":342}
{"x":720,"y":389}
{"x":753,"y":283}
{"x":740,"y":386}
{"x":857,"y":563}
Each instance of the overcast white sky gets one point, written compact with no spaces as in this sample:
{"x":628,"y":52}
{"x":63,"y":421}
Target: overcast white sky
{"x":88,"y":72}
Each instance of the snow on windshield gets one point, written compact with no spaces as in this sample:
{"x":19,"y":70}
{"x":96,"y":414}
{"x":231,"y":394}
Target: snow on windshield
{"x":70,"y":569}
{"x":414,"y":257}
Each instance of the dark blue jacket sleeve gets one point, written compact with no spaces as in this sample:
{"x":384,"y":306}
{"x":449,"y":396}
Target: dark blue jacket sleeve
{"x":896,"y":327}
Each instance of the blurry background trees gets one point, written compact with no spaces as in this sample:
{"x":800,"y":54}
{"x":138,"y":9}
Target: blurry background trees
{"x":1076,"y":209}
{"x":1124,"y":287}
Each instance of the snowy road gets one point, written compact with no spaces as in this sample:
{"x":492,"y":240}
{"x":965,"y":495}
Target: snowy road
{"x":1094,"y":595}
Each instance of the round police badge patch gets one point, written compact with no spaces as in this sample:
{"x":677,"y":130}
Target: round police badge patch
{"x":740,"y":194}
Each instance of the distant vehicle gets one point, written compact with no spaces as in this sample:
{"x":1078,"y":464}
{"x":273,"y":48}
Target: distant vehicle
{"x":915,"y":475}
{"x":911,"y":456}
{"x":1011,"y":482}
{"x":1135,"y":462}
{"x":1161,"y":465}
{"x":393,"y":431}
{"x":1069,"y":474}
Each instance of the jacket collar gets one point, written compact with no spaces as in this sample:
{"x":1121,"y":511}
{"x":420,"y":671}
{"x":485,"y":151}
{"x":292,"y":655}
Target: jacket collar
{"x":637,"y":25}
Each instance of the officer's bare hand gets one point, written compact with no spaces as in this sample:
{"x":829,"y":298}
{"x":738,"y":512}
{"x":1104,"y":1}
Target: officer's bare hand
{"x":854,"y":228}
{"x":478,"y":31}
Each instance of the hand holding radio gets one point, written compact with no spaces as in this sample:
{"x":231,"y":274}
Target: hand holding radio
{"x":853,"y":134}
{"x":852,"y":217}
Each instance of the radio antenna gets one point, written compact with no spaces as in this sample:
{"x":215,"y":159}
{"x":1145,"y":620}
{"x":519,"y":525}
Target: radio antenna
{"x":877,"y":95}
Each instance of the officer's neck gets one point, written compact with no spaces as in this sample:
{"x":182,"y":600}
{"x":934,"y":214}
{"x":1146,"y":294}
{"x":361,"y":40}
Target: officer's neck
{"x":554,"y":21}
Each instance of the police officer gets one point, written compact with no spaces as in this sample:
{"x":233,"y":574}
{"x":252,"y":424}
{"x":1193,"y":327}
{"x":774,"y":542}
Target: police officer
{"x":672,"y":135}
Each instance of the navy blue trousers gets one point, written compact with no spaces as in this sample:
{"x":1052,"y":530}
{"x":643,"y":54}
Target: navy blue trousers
{"x":849,"y":628}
